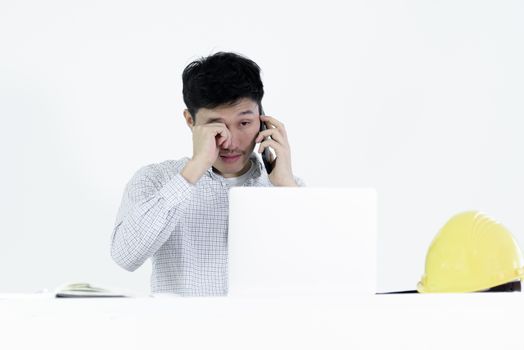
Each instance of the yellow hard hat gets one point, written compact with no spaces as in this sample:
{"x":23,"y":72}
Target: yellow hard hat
{"x":472,"y":252}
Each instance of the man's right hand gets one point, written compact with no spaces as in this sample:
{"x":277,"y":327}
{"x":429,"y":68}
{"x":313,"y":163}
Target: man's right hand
{"x":207,"y":141}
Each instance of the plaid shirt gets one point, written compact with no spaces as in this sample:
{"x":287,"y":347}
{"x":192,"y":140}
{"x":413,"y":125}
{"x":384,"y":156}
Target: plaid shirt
{"x":181,"y":226}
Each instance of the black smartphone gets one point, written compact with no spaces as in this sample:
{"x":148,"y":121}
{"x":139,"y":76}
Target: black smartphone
{"x":265,"y":154}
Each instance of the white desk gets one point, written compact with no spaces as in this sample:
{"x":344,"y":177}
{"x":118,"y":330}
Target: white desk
{"x":461,"y":321}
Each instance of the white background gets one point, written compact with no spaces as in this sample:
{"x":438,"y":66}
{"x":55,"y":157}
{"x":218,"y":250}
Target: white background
{"x":420,"y":99}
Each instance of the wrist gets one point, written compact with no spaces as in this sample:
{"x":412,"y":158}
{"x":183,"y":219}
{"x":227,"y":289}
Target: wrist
{"x":193,"y":171}
{"x":290,"y":183}
{"x":284,"y":182}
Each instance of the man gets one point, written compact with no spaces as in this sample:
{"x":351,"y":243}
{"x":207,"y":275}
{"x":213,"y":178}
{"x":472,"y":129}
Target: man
{"x":176,"y":212}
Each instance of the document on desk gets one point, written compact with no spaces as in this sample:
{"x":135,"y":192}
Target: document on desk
{"x":86,"y":290}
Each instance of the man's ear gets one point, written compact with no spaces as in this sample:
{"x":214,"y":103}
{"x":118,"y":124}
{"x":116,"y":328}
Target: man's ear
{"x":189,"y":119}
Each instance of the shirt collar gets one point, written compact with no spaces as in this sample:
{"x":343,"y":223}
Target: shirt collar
{"x":256,"y":173}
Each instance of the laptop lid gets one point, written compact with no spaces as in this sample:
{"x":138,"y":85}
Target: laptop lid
{"x":302,"y":241}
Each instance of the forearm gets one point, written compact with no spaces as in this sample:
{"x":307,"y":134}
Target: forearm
{"x":193,"y":171}
{"x":143,"y":227}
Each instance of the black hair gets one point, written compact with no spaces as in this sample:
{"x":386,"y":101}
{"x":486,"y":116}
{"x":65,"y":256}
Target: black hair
{"x":220,"y":79}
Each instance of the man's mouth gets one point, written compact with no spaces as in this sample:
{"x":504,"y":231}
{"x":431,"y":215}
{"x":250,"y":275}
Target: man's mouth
{"x":230,"y":158}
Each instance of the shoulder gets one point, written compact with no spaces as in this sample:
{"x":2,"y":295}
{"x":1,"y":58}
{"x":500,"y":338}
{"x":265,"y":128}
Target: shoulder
{"x":157,"y":174}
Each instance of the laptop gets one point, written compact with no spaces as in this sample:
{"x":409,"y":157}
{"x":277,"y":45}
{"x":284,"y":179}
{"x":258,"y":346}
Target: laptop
{"x":305,"y":241}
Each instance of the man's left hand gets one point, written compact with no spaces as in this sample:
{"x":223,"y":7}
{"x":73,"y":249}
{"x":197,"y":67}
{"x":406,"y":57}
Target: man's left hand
{"x":282,"y":174}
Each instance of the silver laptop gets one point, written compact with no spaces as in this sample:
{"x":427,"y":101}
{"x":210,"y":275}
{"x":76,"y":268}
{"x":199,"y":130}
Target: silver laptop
{"x":308,"y":241}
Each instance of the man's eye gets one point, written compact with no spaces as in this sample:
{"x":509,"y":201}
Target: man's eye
{"x":245,"y":123}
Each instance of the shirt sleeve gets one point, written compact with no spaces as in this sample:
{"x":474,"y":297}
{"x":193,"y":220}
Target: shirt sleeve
{"x":148,"y":213}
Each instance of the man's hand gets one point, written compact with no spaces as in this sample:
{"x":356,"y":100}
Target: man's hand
{"x":282,"y":174}
{"x":207,"y":140}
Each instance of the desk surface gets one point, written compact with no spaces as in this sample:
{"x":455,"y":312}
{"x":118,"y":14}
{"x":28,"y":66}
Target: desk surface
{"x":452,"y":321}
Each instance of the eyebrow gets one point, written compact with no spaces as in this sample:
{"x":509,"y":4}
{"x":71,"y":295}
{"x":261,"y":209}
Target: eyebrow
{"x":214,"y":120}
{"x":248,"y":111}
{"x":220,"y":120}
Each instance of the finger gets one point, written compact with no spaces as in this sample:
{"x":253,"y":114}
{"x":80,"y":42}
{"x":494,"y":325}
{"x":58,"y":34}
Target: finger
{"x":223,"y":135}
{"x":270,"y":121}
{"x":221,"y":140}
{"x":279,"y":150}
{"x":226,"y":143}
{"x":261,"y":150}
{"x":216,"y":129}
{"x":275,"y":134}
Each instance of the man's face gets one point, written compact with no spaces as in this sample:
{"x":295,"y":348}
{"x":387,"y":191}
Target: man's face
{"x":243,"y":122}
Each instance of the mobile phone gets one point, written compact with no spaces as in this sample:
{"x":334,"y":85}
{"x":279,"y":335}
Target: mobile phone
{"x":265,"y":154}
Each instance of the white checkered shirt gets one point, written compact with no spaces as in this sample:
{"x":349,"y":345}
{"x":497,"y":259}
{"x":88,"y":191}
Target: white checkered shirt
{"x":181,"y":227}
